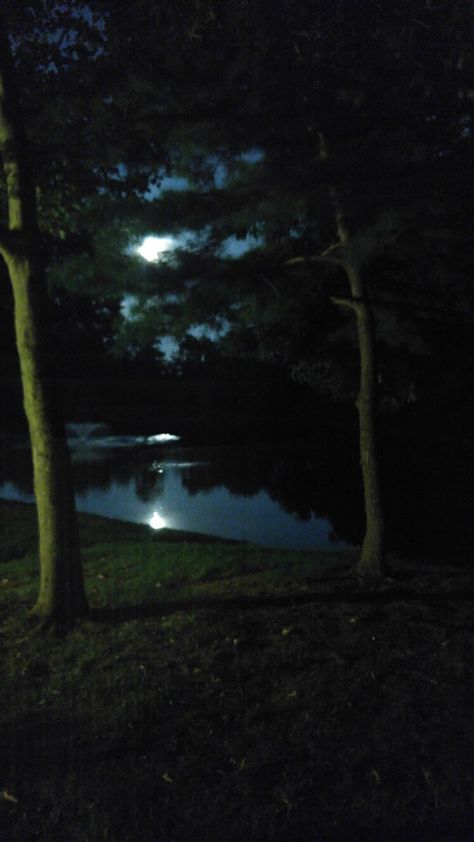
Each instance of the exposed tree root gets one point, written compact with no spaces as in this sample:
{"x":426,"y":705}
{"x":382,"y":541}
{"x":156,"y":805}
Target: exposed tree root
{"x":54,"y":623}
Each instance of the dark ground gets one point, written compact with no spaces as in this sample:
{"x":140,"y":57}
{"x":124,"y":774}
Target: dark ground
{"x":227,"y":702}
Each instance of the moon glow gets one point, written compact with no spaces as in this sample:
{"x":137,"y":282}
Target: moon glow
{"x":152,"y":247}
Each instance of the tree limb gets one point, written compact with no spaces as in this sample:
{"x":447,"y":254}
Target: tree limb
{"x":423,"y":309}
{"x":321,"y":258}
{"x":7,"y":241}
{"x":345,"y":302}
{"x":11,"y":242}
{"x":4,"y":237}
{"x":272,"y":286}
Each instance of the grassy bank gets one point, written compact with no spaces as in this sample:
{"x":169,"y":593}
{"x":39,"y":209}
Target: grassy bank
{"x":221,"y":691}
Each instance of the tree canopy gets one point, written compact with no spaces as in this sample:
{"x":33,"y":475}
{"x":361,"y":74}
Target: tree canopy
{"x":239,"y":98}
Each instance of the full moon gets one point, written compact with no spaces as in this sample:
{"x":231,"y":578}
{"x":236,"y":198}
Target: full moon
{"x":152,"y":247}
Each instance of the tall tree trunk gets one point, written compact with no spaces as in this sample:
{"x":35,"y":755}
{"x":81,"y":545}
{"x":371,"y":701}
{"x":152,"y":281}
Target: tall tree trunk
{"x":372,"y":558}
{"x":61,"y":598}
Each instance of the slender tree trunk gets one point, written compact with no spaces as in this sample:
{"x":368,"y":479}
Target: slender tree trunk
{"x":61,"y":598}
{"x":372,"y":558}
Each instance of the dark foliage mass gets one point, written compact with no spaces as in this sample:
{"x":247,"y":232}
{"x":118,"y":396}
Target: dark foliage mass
{"x":234,"y":97}
{"x":389,"y":91}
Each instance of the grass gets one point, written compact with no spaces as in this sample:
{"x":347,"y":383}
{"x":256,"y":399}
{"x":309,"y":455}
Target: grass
{"x":222,"y":691}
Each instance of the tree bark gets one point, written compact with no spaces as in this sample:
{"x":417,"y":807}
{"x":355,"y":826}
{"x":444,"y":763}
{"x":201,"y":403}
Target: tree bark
{"x":61,"y":597}
{"x":372,"y":558}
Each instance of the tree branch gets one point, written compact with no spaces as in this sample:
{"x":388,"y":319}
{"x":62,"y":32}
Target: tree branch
{"x":414,"y":309}
{"x":4,"y":236}
{"x":321,"y":258}
{"x":273,"y":288}
{"x":21,"y":203}
{"x":345,"y":302}
{"x":6,"y":241}
{"x":329,"y":253}
{"x":11,"y":242}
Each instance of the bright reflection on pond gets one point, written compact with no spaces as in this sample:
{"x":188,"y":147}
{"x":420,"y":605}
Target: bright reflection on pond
{"x":157,"y":522}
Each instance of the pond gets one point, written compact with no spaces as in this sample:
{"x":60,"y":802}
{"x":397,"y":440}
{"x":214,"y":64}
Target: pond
{"x":288,"y":496}
{"x":251,"y":494}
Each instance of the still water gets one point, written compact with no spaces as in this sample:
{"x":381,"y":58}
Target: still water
{"x":306,"y":497}
{"x":250,"y":494}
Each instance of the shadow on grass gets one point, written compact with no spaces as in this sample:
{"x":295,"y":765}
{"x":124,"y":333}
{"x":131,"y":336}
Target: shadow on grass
{"x":146,"y":610}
